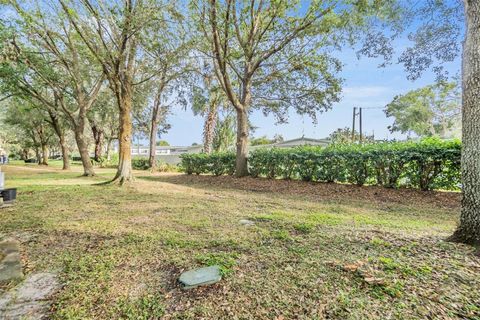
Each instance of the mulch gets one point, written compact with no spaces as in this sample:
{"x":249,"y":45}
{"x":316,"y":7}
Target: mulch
{"x":323,"y":191}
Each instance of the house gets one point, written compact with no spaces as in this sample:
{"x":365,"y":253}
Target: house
{"x":302,"y":141}
{"x":167,"y":154}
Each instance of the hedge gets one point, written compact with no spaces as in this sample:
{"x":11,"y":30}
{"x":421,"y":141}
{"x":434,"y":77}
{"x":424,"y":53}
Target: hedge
{"x":427,"y":164}
{"x":216,"y":163}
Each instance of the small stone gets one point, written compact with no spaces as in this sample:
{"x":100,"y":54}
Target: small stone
{"x":200,"y":277}
{"x":246,"y":222}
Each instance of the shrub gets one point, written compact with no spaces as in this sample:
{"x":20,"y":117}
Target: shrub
{"x":427,"y":164}
{"x":140,"y":163}
{"x":215,"y":163}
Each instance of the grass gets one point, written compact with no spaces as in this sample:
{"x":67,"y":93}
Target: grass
{"x":315,"y":251}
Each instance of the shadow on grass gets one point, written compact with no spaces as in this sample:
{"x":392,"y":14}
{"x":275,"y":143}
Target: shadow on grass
{"x":316,"y":191}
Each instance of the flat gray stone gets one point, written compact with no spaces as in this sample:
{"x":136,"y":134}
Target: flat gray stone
{"x":31,"y":299}
{"x":39,"y":286}
{"x":247,"y":222}
{"x":200,"y":277}
{"x":27,"y":311}
{"x":10,"y":261}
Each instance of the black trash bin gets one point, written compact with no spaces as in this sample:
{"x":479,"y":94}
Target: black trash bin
{"x":9,"y":195}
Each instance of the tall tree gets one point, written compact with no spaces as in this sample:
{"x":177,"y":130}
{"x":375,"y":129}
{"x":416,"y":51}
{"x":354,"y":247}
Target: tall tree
{"x":224,"y":136}
{"x":439,"y":27}
{"x":113,"y":32}
{"x":32,"y":122}
{"x":56,"y":58}
{"x":433,"y":110}
{"x":272,"y":55}
{"x":208,"y":99}
{"x":468,"y":230}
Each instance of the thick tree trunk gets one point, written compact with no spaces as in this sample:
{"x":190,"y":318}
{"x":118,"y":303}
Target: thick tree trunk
{"x":83,"y":150}
{"x":468,"y":230}
{"x":124,"y":171}
{"x":209,"y":128}
{"x":241,"y":167}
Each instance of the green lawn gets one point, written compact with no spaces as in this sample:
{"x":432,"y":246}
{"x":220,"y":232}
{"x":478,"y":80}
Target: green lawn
{"x":316,"y":250}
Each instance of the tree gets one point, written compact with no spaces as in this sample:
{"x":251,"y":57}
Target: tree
{"x":439,"y":28}
{"x":224,"y":138}
{"x":32,"y":123}
{"x":430,"y":111}
{"x":344,"y":135}
{"x":57,"y":59}
{"x":208,"y":100}
{"x":163,"y":143}
{"x":114,"y":32}
{"x":269,"y":56}
{"x":468,"y":230}
{"x":265,"y":140}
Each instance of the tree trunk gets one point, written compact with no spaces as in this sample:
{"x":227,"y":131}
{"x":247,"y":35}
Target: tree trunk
{"x":153,"y":137}
{"x":98,"y":137}
{"x":209,"y":128}
{"x":124,"y":171}
{"x":65,"y":155}
{"x":83,"y":150}
{"x":38,"y":155}
{"x":109,"y":147}
{"x":241,"y":167}
{"x":468,"y":230}
{"x":61,"y":138}
{"x":44,"y":154}
{"x":24,"y":154}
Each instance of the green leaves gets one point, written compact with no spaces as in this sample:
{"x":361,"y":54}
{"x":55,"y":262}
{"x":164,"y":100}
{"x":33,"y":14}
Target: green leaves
{"x":427,"y":164}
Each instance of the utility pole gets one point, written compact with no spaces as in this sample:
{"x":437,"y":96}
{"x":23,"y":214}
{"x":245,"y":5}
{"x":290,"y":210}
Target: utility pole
{"x":361,"y":136}
{"x":353,"y":123}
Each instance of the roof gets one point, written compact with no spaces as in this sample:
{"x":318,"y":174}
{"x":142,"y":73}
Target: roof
{"x":295,"y":142}
{"x":167,"y":147}
{"x":305,"y":141}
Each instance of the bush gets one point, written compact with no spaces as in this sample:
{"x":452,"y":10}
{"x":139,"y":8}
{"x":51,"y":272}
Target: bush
{"x":140,"y":164}
{"x":216,"y":163}
{"x":143,"y":164}
{"x":427,"y":164}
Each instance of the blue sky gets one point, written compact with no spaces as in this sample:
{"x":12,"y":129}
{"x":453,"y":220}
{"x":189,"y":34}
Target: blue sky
{"x":365,"y":85}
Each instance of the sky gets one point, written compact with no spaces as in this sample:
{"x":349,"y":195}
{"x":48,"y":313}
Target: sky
{"x":365,"y":85}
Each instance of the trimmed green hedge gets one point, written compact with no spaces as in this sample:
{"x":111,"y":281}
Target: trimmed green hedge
{"x":215,"y":163}
{"x":428,"y":164}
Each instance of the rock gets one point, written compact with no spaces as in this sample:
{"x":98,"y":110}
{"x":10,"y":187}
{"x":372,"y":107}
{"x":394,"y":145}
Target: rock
{"x":27,"y":311}
{"x":10,"y":263}
{"x":39,"y":286}
{"x":200,"y":277}
{"x":246,"y":222}
{"x":30,"y":299}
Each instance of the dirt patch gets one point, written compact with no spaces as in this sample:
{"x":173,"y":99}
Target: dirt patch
{"x":321,"y":191}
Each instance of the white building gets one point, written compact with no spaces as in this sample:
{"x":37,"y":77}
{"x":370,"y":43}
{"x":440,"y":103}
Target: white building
{"x":302,"y":141}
